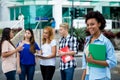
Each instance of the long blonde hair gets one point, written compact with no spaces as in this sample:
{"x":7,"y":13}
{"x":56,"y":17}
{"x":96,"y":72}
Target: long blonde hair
{"x":50,"y":33}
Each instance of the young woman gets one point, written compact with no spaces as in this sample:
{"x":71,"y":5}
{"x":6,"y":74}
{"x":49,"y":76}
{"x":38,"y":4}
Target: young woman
{"x":8,"y":54}
{"x":95,"y":24}
{"x":26,"y":60}
{"x":48,"y":50}
{"x":67,"y":68}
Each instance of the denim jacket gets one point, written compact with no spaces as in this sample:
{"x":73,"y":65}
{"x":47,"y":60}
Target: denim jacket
{"x":98,"y":73}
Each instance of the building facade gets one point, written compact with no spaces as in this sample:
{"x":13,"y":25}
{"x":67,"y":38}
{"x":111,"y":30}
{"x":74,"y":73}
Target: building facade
{"x":35,"y":11}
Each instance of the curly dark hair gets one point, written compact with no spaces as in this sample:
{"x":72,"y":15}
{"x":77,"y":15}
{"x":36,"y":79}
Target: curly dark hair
{"x":98,"y":16}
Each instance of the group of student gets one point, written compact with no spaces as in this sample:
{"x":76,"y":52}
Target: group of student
{"x":22,"y":58}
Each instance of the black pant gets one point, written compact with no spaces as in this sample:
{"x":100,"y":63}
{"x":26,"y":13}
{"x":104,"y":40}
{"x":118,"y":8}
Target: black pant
{"x":47,"y":72}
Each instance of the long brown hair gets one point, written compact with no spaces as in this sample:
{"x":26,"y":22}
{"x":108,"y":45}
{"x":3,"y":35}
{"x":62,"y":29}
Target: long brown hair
{"x":5,"y":36}
{"x":50,"y":33}
{"x":32,"y":41}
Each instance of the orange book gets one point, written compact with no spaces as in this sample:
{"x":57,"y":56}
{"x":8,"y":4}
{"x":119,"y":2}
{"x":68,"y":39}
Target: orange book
{"x":66,"y":58}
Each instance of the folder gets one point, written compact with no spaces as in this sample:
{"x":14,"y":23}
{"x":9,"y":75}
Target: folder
{"x":98,"y":52}
{"x":66,"y":58}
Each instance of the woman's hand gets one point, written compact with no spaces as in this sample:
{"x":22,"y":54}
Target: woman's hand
{"x":41,"y":56}
{"x":90,"y":59}
{"x":18,"y":70}
{"x":19,"y":48}
{"x":61,"y":53}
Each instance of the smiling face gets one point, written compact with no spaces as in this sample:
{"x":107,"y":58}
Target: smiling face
{"x":93,"y":26}
{"x":48,"y":35}
{"x":45,"y":34}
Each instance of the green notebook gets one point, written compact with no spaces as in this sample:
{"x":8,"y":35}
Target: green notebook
{"x":98,"y":52}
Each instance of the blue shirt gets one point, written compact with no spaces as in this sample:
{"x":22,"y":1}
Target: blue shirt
{"x":98,"y":73}
{"x":27,"y":57}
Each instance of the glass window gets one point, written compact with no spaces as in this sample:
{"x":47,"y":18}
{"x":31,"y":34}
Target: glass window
{"x":67,"y":15}
{"x":44,"y":12}
{"x":30,"y":13}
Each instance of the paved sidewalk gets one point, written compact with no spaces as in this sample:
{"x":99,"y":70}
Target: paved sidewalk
{"x":118,"y":55}
{"x":115,"y":71}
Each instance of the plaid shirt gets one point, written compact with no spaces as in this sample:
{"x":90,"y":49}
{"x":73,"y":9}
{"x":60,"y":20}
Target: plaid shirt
{"x":72,"y":43}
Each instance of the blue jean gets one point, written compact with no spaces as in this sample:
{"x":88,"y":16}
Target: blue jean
{"x":87,"y":77}
{"x":27,"y":71}
{"x":10,"y":75}
{"x":67,"y":74}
